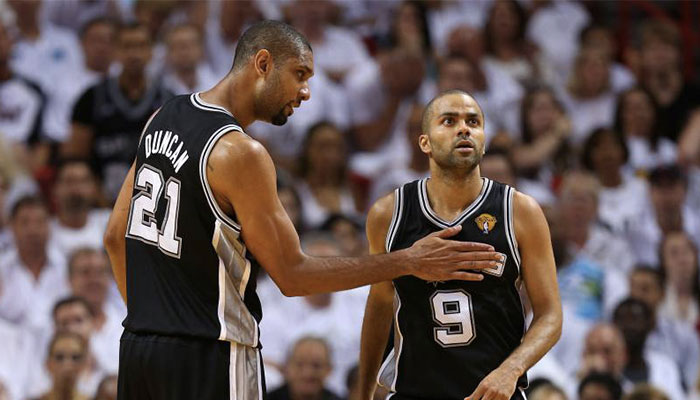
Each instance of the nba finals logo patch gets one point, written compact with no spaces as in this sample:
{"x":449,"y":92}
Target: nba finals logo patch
{"x":486,"y":222}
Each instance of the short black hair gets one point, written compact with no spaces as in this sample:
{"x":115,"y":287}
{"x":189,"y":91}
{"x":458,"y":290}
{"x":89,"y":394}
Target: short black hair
{"x":428,"y":111}
{"x":666,"y":175}
{"x":606,"y":380}
{"x":594,"y":139}
{"x":94,"y":22}
{"x":630,"y":302}
{"x":27,"y":201}
{"x":280,"y":39}
{"x":67,"y":161}
{"x":134,"y":26}
{"x":657,"y":273}
{"x":72,"y":300}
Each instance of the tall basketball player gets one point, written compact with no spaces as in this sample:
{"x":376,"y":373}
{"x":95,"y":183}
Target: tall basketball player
{"x":199,"y":212}
{"x":456,"y":339}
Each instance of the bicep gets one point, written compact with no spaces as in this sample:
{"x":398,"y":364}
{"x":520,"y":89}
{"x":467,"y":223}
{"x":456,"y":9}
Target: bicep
{"x":537,"y":268}
{"x":252,"y":193}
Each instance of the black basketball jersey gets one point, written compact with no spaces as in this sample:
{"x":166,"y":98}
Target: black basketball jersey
{"x":449,"y":335}
{"x":188,"y":271}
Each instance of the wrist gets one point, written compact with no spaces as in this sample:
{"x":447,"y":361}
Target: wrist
{"x":406,"y":263}
{"x":512,"y":371}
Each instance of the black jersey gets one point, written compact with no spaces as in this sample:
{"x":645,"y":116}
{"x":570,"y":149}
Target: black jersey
{"x":449,"y":335}
{"x":116,"y":122}
{"x":188,"y":271}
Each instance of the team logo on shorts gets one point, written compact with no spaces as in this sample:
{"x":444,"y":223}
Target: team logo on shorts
{"x":486,"y":222}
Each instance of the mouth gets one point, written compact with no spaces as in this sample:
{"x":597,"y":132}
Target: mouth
{"x":464,"y":146}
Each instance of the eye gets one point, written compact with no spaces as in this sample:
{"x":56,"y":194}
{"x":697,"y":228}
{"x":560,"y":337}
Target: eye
{"x":448,"y":121}
{"x":300,"y":74}
{"x":474,"y":121}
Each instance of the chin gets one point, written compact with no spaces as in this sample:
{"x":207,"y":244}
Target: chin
{"x":279,"y":119}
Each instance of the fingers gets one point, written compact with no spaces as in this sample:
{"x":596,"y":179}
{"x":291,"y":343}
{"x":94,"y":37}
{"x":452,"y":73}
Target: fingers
{"x":464,"y":276}
{"x":477,"y":394}
{"x":445,"y":233}
{"x":470,"y":246}
{"x":479,"y":259}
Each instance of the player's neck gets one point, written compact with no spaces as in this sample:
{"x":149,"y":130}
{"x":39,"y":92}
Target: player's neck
{"x":234,"y":94}
{"x":450,"y":194}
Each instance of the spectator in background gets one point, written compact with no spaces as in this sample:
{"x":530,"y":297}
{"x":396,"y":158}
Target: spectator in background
{"x":78,"y":223}
{"x":348,"y":234}
{"x":417,"y":166}
{"x":410,"y":30}
{"x":109,"y":117}
{"x":597,"y":386}
{"x":22,"y":105}
{"x":335,"y":316}
{"x":669,"y":336}
{"x":637,"y":118}
{"x":497,"y":165}
{"x":662,"y":76}
{"x":306,"y":370}
{"x":542,"y":153}
{"x":323,"y":186}
{"x":90,"y":278}
{"x":74,"y":14}
{"x":291,"y":202}
{"x":645,"y":391}
{"x":5,"y":238}
{"x":16,"y":364}
{"x":97,"y":39}
{"x":588,"y":97}
{"x":601,"y":37}
{"x":67,"y":359}
{"x":107,"y":390}
{"x":507,"y":48}
{"x":338,"y":51}
{"x":33,"y":276}
{"x":496,"y":92}
{"x":578,"y":205}
{"x":604,"y":352}
{"x":622,"y":196}
{"x":667,"y":211}
{"x":547,"y":391}
{"x":227,"y":21}
{"x":55,"y":50}
{"x":187,"y":71}
{"x":678,"y":257}
{"x":635,"y":320}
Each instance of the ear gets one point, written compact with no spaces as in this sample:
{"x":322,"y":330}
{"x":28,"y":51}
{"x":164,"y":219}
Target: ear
{"x":262,"y":62}
{"x":424,"y":144}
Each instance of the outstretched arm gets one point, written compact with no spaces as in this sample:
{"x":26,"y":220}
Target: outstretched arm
{"x":380,"y":303}
{"x":242,"y":176}
{"x":539,"y":274}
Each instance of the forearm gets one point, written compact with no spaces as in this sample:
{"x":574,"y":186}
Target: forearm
{"x":544,"y":332}
{"x":535,"y":154}
{"x":330,"y":274}
{"x":375,"y":331}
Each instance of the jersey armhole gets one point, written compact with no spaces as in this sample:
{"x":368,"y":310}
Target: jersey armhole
{"x":395,"y":219}
{"x":208,"y":193}
{"x":510,"y":231}
{"x":148,"y":123}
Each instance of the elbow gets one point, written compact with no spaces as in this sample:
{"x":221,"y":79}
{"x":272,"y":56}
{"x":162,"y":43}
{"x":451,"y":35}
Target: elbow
{"x":110,"y":239}
{"x":291,"y":287}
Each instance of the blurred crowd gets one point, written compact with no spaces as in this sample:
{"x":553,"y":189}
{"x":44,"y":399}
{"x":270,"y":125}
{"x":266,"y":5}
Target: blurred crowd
{"x":603,"y":133}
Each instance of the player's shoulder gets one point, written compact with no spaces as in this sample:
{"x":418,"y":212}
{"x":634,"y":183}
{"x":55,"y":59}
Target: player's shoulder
{"x":380,"y":215}
{"x":237,"y":149}
{"x":523,"y":203}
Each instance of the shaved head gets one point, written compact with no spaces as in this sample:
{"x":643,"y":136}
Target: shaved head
{"x":280,"y":39}
{"x":429,"y":110}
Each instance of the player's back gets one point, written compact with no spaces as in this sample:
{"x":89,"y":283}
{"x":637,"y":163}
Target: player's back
{"x":188,"y":272}
{"x":449,"y":335}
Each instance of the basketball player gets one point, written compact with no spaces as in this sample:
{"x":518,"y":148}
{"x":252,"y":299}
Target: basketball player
{"x":198,"y":212}
{"x":456,"y":339}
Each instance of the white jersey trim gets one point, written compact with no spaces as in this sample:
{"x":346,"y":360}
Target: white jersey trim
{"x":395,"y":218}
{"x":400,"y":344}
{"x":201,"y":104}
{"x":216,"y":210}
{"x":435,"y":219}
{"x":510,"y":231}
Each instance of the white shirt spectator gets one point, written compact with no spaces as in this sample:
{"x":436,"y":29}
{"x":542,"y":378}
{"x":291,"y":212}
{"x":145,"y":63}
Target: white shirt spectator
{"x":219,"y":52}
{"x":645,"y":235}
{"x":392,"y":179}
{"x":205,"y":77}
{"x":340,"y":51}
{"x":588,"y":114}
{"x":619,"y":206}
{"x":670,"y":309}
{"x":664,"y":375}
{"x":644,"y":158}
{"x":21,"y":106}
{"x":621,"y":78}
{"x":340,"y":324}
{"x":66,"y":240}
{"x":550,"y":368}
{"x":313,"y":214}
{"x":566,"y":18}
{"x":104,"y":342}
{"x":28,"y":301}
{"x":15,"y":365}
{"x":73,"y":14}
{"x":679,"y":342}
{"x":443,"y":19}
{"x":328,"y":102}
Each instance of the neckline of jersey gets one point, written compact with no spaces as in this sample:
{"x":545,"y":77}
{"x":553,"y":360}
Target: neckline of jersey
{"x":432,"y":215}
{"x":198,"y":102}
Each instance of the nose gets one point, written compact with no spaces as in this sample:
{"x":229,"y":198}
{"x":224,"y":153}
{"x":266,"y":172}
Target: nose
{"x":305,"y":92}
{"x":463,"y":129}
